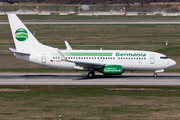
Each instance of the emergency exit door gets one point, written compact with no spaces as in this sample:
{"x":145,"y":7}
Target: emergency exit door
{"x":101,"y":58}
{"x":152,"y":59}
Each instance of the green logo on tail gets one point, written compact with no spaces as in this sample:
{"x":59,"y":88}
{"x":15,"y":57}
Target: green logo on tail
{"x":21,"y":34}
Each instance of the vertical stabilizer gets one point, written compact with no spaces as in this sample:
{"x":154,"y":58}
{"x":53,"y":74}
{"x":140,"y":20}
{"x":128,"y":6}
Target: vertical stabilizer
{"x":23,"y":38}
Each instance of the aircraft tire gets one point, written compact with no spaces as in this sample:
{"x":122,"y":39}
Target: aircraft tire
{"x":91,"y":74}
{"x":155,"y":75}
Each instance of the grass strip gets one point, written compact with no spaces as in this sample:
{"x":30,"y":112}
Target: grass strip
{"x":89,"y":102}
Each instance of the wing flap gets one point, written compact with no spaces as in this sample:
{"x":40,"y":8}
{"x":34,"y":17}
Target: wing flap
{"x":87,"y":65}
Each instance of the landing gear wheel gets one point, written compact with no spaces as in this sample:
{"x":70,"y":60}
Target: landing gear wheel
{"x":155,"y":75}
{"x":91,"y":74}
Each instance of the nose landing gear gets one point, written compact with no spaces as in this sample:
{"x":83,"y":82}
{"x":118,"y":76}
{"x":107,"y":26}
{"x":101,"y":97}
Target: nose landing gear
{"x":157,"y":71}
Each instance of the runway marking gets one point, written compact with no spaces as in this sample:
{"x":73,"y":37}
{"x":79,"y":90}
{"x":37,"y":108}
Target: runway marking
{"x":144,"y":89}
{"x":14,"y":90}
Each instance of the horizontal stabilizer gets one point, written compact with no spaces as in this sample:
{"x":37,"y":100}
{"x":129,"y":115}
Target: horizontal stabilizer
{"x":20,"y":52}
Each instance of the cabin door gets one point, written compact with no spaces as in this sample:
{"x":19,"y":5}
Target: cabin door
{"x":43,"y":58}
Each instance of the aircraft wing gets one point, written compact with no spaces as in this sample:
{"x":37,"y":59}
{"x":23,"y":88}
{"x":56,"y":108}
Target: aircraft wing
{"x":81,"y":65}
{"x":88,"y":64}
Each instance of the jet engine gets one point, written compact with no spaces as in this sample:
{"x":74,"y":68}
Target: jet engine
{"x":112,"y":70}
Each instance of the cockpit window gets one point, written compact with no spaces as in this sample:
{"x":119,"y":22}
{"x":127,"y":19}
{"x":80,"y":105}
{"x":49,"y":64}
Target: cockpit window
{"x":164,"y":57}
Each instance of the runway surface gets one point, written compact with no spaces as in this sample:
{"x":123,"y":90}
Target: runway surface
{"x":96,"y":22}
{"x":163,"y":79}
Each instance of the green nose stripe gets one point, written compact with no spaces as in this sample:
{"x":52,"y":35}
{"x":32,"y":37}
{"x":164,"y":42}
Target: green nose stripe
{"x":21,"y":34}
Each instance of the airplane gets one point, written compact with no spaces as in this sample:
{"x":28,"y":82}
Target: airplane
{"x":108,"y":62}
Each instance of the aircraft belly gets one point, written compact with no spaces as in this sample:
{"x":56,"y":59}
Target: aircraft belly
{"x":22,"y":56}
{"x":139,"y":65}
{"x":61,"y":65}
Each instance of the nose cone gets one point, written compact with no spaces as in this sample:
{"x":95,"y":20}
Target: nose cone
{"x":172,"y":63}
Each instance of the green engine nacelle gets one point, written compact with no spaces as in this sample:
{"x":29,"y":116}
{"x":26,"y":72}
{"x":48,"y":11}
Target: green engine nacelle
{"x":113,"y":69}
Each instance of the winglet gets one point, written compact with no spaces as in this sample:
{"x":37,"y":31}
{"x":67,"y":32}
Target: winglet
{"x":68,"y":47}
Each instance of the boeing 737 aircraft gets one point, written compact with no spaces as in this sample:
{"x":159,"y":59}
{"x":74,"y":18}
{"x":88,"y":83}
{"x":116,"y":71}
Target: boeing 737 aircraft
{"x":108,"y":62}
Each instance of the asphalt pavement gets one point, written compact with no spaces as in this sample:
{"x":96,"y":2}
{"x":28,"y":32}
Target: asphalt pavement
{"x":163,"y":79}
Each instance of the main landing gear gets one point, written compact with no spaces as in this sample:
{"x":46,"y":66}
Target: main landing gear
{"x":91,"y":74}
{"x":155,"y":74}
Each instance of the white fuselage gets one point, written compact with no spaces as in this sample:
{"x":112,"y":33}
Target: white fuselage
{"x":129,"y":59}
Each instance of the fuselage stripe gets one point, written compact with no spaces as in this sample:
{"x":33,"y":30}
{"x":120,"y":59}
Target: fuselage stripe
{"x":87,"y":54}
